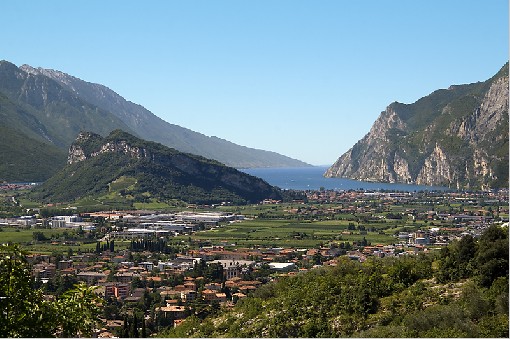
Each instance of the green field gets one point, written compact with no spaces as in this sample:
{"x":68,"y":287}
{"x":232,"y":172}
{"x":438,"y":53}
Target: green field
{"x":56,"y":240}
{"x":288,"y":233}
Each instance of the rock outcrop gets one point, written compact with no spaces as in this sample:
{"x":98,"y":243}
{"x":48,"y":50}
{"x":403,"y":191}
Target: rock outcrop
{"x":456,"y":138}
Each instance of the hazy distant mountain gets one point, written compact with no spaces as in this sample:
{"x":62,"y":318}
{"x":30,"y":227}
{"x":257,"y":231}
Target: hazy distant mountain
{"x":40,"y":119}
{"x":150,"y":127}
{"x":456,"y":137}
{"x":152,"y":170}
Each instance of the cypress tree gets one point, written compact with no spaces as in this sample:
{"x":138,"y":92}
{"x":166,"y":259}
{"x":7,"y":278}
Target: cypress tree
{"x":134,"y":327}
{"x":144,"y":330}
{"x":125,"y":329}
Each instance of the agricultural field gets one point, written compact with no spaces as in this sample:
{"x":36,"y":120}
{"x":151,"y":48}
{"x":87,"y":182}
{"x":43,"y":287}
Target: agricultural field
{"x":275,"y":226}
{"x":50,"y":240}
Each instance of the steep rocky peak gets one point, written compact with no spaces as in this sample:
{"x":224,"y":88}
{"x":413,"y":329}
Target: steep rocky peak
{"x":456,"y":137}
{"x":388,"y":119}
{"x":50,"y":73}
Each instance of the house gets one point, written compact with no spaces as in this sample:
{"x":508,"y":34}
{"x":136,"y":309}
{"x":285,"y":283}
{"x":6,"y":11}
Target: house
{"x":127,"y":277}
{"x":221,"y":297}
{"x":138,"y":292}
{"x":91,"y":277}
{"x":190,"y":285}
{"x":44,"y":270}
{"x":173,"y":311}
{"x":177,"y":322}
{"x":233,"y":268}
{"x":237,"y":296}
{"x":213,"y":286}
{"x":146,"y":265}
{"x":209,"y":295}
{"x":188,"y":295}
{"x":63,"y":264}
{"x":116,"y":290}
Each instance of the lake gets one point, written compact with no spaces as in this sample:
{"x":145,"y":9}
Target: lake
{"x":311,"y":178}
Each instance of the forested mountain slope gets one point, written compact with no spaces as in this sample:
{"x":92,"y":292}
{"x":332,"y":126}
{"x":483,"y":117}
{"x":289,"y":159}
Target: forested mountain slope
{"x":154,"y":171}
{"x":40,"y":119}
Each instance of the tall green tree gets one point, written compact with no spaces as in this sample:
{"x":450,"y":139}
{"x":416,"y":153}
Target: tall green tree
{"x":25,"y":313}
{"x":492,"y":255}
{"x":78,"y":311}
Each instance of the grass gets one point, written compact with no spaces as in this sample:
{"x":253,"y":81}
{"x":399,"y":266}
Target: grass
{"x":24,"y":237}
{"x":11,"y":234}
{"x":123,"y":183}
{"x":288,"y":233}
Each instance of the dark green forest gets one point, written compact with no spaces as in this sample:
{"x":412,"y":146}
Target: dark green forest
{"x":460,"y":291}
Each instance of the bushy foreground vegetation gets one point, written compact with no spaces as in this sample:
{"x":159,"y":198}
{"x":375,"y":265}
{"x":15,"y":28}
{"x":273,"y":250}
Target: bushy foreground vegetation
{"x":460,"y":292}
{"x":24,"y":312}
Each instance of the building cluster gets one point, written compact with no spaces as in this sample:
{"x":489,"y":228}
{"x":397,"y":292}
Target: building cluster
{"x":141,"y":223}
{"x":118,"y":278}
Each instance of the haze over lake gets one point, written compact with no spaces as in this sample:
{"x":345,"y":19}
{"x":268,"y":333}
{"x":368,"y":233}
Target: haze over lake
{"x":311,"y":178}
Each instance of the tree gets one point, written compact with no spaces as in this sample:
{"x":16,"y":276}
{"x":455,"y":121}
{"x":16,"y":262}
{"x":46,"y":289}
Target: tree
{"x":134,"y":327}
{"x":492,"y":255}
{"x":39,"y":236}
{"x":78,"y":311}
{"x":25,"y":313}
{"x":456,"y":260}
{"x":144,"y":329}
{"x":125,"y":328}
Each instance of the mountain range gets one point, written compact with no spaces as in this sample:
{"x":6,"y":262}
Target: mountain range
{"x":455,"y":137}
{"x":45,"y":109}
{"x":121,"y":167}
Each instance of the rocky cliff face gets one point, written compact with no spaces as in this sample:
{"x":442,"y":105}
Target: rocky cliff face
{"x":456,"y":137}
{"x":77,"y":151}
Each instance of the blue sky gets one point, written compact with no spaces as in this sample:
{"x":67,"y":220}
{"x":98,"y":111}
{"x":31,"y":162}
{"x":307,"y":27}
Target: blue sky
{"x":302,"y":78}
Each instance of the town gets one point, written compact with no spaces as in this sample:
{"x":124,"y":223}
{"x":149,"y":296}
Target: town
{"x":162,"y":266}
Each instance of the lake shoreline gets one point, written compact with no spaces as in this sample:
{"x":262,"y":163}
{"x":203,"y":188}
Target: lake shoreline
{"x":311,"y":178}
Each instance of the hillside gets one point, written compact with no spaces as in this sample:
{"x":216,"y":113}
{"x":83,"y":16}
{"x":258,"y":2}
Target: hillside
{"x":455,"y":137}
{"x":57,"y":115}
{"x":153,"y":171}
{"x":461,"y":291}
{"x":40,"y":119}
{"x":150,"y":127}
